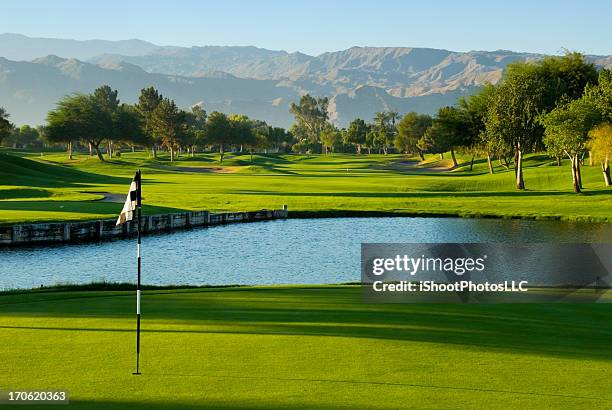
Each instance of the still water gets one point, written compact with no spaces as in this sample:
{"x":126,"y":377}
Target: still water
{"x":307,"y":251}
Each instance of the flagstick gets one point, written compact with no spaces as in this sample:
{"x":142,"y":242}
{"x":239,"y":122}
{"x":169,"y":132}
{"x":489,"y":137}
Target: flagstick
{"x":138,"y":213}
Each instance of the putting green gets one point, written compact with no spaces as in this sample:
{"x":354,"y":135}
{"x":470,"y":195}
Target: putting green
{"x":303,"y":347}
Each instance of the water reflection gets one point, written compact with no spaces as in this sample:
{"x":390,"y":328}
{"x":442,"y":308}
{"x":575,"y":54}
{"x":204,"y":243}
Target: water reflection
{"x":274,"y":252}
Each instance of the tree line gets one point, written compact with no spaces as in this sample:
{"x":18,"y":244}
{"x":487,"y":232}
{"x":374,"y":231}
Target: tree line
{"x":101,"y":123}
{"x":561,"y":104}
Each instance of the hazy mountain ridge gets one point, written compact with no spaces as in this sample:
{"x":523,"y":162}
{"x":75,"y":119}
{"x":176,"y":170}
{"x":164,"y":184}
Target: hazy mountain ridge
{"x":29,"y":89}
{"x":401,"y":71}
{"x":19,"y":47}
{"x":255,"y":81}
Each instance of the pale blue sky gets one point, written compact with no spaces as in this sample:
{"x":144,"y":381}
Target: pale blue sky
{"x":316,"y":26}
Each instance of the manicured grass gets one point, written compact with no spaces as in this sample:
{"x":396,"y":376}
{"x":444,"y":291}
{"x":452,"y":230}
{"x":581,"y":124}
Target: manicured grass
{"x":304,"y":347}
{"x":299,"y":347}
{"x":35,"y":188}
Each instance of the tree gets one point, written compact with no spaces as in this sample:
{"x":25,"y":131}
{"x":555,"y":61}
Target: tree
{"x":199,"y":116}
{"x":168,"y":125}
{"x":5,"y":125}
{"x":148,"y":100}
{"x":600,"y":143}
{"x":261,"y":138}
{"x":370,"y":140}
{"x":566,"y":130}
{"x":311,"y":116}
{"x":195,"y":122}
{"x":356,"y":133}
{"x":330,"y":138}
{"x":381,"y":139}
{"x":393,"y":117}
{"x":79,"y":117}
{"x":218,"y":130}
{"x":474,"y":109}
{"x":405,"y":143}
{"x":128,"y":126}
{"x":108,"y":100}
{"x":454,"y":131}
{"x":512,"y":118}
{"x":381,"y":119}
{"x":568,"y":74}
{"x":242,"y":132}
{"x":527,"y":90}
{"x":601,"y":94}
{"x":278,"y":138}
{"x":410,"y":130}
{"x":384,"y":132}
{"x":59,"y":130}
{"x":26,"y":136}
{"x":431,"y":142}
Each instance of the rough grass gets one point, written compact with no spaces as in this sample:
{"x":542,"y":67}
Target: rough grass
{"x":35,"y":188}
{"x":304,"y":347}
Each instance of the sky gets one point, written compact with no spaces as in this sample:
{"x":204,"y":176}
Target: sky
{"x":316,"y":26}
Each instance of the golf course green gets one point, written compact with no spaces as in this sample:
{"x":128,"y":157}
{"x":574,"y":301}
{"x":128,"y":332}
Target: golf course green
{"x":303,"y":347}
{"x":48,"y":186}
{"x":299,"y":346}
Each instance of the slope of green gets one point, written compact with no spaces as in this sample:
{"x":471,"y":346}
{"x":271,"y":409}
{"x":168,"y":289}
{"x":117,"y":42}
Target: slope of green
{"x":35,"y":188}
{"x":304,"y":347}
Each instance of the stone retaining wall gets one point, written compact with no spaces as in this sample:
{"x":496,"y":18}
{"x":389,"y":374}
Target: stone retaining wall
{"x":63,"y":232}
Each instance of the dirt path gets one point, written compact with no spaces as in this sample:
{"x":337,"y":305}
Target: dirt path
{"x":108,"y":197}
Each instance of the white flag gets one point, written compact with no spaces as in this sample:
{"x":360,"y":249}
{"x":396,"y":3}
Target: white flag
{"x":127,"y":213}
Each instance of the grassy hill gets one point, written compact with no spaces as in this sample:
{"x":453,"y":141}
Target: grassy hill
{"x":51,"y":187}
{"x":303,"y":347}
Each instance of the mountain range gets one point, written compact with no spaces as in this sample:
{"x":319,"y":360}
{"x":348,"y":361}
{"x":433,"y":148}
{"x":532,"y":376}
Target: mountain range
{"x":36,"y":72}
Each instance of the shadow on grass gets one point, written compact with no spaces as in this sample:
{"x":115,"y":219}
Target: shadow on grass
{"x":562,"y":330}
{"x":24,"y":193}
{"x":425,"y":194}
{"x":15,"y":170}
{"x":81,"y":207}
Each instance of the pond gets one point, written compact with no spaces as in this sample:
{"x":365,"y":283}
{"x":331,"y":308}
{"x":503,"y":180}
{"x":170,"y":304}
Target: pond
{"x":293,"y":251}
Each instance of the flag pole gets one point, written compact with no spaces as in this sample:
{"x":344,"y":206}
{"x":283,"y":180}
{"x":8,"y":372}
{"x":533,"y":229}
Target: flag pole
{"x":138,"y":215}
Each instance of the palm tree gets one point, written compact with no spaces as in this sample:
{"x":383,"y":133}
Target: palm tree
{"x":381,"y":123}
{"x":381,"y":118}
{"x":393,"y":116}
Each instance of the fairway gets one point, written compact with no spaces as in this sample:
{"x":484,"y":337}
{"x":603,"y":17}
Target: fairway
{"x":53,"y":188}
{"x":304,"y":347}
